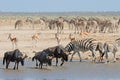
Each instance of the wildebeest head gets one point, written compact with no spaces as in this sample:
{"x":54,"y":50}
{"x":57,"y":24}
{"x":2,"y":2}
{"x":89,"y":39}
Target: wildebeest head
{"x":49,"y":59}
{"x":22,"y":59}
{"x":61,"y":53}
{"x":65,"y":56}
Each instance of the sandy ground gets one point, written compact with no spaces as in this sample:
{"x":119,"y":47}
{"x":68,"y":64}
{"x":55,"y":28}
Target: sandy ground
{"x":47,"y":39}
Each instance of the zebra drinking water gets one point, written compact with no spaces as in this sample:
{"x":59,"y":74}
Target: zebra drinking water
{"x":83,"y":46}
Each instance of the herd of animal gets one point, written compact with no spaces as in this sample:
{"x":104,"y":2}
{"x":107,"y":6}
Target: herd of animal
{"x":59,"y":52}
{"x":78,"y":24}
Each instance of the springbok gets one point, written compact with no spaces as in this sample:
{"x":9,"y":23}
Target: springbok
{"x":58,"y":38}
{"x":35,"y":38}
{"x":13,"y":40}
{"x":71,"y":37}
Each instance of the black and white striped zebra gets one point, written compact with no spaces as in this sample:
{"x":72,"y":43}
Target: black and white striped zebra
{"x":118,"y":41}
{"x":110,"y":47}
{"x":83,"y":46}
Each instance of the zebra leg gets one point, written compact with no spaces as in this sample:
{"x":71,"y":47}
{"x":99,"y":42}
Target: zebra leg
{"x":114,"y":57}
{"x":93,"y":56}
{"x":106,"y":55}
{"x":72,"y":57}
{"x":56,"y":61}
{"x":79,"y":56}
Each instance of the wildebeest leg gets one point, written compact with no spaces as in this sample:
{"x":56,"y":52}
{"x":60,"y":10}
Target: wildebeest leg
{"x":79,"y":56}
{"x":72,"y":57}
{"x":17,"y":64}
{"x":40,"y":65}
{"x":62,"y":62}
{"x":7,"y":63}
{"x":14,"y":65}
{"x":36,"y":63}
{"x":56,"y":61}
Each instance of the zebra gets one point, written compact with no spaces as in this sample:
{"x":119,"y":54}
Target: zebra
{"x":111,"y":47}
{"x":83,"y":45}
{"x":118,"y":41}
{"x":18,"y":24}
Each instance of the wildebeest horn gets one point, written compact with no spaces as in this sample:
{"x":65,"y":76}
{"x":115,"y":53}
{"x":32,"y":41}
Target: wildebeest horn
{"x":34,"y":52}
{"x":50,"y":57}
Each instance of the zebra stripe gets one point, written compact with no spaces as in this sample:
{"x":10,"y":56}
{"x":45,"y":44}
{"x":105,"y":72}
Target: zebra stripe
{"x":118,"y":41}
{"x":110,"y":47}
{"x":83,"y":46}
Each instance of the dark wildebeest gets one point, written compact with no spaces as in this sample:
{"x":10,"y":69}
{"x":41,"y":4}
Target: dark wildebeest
{"x":59,"y":53}
{"x":14,"y":56}
{"x":43,"y":57}
{"x":55,"y":52}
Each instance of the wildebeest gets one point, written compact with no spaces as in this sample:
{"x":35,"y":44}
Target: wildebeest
{"x":54,"y":52}
{"x":59,"y":53}
{"x":43,"y":57}
{"x":14,"y":56}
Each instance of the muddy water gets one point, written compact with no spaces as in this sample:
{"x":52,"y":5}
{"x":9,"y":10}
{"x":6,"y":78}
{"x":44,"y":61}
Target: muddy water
{"x":69,"y":71}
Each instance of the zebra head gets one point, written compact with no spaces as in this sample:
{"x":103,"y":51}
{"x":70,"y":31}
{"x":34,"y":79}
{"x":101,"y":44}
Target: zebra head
{"x":69,"y":48}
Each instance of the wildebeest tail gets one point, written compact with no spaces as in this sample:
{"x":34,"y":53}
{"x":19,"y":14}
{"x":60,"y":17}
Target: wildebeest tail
{"x":33,"y":58}
{"x":4,"y":60}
